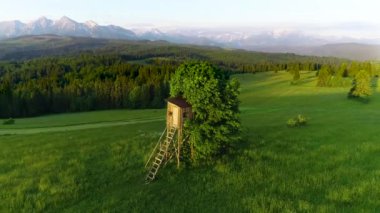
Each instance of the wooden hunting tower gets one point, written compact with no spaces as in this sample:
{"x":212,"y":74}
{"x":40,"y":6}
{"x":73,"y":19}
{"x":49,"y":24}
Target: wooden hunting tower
{"x":178,"y":111}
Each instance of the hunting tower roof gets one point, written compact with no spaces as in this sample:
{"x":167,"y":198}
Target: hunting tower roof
{"x":179,"y":102}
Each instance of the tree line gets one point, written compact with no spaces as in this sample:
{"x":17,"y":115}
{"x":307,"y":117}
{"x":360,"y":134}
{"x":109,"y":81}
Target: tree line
{"x":90,"y":81}
{"x":84,"y":83}
{"x":342,"y":75}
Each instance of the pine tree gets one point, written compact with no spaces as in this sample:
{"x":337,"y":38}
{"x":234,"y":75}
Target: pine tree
{"x":296,"y":75}
{"x":361,"y":85}
{"x":324,"y":76}
{"x":338,"y":80}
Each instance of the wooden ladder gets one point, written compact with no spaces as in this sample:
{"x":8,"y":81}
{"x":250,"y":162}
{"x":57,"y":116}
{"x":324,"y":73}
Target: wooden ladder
{"x":162,"y":154}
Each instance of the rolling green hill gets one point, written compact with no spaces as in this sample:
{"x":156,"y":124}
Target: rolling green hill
{"x":332,"y":164}
{"x":28,"y":47}
{"x":52,"y":74}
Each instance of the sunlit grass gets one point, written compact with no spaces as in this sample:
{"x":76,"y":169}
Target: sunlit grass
{"x":332,"y":164}
{"x":68,"y":119}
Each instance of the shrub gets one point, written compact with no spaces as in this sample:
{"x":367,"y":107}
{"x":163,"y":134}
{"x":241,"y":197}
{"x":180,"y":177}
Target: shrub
{"x":299,"y":120}
{"x":291,"y":122}
{"x":9,"y":121}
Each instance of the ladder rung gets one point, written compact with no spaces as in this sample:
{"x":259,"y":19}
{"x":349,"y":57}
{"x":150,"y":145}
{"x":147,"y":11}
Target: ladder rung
{"x":164,"y":147}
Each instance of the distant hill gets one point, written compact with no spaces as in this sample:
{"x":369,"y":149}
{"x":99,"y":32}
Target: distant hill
{"x":353,"y":51}
{"x":349,"y":50}
{"x":28,"y":47}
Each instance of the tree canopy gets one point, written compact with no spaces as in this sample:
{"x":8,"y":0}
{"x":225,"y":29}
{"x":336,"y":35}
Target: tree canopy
{"x":214,"y":100}
{"x":84,"y":83}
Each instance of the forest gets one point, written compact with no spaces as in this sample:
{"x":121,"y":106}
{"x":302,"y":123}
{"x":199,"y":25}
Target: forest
{"x":132,"y":76}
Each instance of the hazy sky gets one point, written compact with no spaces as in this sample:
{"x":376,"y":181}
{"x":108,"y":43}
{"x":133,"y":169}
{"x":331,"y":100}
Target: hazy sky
{"x":196,"y":12}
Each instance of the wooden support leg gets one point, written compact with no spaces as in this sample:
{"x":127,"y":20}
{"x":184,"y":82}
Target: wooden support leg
{"x":178,"y":154}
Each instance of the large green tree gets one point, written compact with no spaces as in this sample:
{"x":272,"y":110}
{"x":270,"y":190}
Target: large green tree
{"x":214,"y":100}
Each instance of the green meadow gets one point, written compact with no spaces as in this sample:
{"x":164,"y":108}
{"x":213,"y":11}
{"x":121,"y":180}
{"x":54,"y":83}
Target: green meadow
{"x":94,"y":162}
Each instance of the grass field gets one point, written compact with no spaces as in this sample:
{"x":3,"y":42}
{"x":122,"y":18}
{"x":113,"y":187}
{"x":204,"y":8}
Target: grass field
{"x":333,"y":164}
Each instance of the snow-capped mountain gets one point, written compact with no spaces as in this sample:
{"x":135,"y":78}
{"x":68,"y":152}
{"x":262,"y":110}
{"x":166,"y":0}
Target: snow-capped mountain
{"x":65,"y":27}
{"x":11,"y":28}
{"x":151,"y":34}
{"x":39,"y":26}
{"x":309,"y":40}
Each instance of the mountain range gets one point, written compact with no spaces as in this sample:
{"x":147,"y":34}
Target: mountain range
{"x":282,"y":41}
{"x":63,"y":27}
